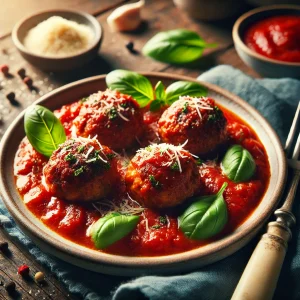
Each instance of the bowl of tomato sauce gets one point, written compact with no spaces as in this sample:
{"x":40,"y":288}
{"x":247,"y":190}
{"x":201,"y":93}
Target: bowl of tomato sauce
{"x":268,"y":40}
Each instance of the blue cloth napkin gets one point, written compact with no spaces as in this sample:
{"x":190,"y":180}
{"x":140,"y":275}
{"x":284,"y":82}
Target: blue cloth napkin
{"x":277,"y":100}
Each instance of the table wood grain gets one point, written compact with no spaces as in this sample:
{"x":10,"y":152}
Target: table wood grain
{"x":158,"y":16}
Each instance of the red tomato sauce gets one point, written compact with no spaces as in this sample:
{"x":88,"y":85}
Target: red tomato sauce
{"x":72,"y":220}
{"x":276,"y":37}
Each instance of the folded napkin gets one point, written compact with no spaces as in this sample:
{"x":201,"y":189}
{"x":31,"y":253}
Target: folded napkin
{"x":277,"y":100}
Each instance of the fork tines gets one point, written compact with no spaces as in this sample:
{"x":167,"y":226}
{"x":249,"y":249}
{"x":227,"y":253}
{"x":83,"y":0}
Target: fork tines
{"x":291,"y":137}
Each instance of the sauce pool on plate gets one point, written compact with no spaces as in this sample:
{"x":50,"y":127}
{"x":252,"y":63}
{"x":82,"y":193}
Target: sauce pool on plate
{"x":276,"y":37}
{"x":157,"y":231}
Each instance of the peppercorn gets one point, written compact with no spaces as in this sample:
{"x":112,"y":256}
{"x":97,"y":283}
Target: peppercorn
{"x":28,"y":81}
{"x":3,"y":246}
{"x":11,"y":96}
{"x":22,"y":73}
{"x":4,"y":69}
{"x":10,"y":287}
{"x":130,"y":47}
{"x":39,"y":277}
{"x":23,"y":270}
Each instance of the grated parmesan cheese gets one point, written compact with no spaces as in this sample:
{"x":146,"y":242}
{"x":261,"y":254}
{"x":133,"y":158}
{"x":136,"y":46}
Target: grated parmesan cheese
{"x":194,"y":102}
{"x":171,"y":150}
{"x":58,"y":37}
{"x":112,"y":102}
{"x":125,"y":206}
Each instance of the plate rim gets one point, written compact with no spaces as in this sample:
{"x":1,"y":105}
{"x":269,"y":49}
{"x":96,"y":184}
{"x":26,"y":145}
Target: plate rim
{"x":156,"y":261}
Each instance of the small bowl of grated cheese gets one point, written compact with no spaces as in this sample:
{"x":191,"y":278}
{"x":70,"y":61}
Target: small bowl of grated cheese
{"x":58,"y":40}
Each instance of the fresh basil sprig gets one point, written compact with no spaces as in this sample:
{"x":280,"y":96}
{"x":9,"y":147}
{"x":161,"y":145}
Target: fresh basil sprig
{"x":131,"y":83}
{"x":160,"y":96}
{"x":180,"y":88}
{"x":44,"y":131}
{"x":206,"y":217}
{"x":111,"y":228}
{"x":140,"y":88}
{"x":238,"y":164}
{"x":160,"y":93}
{"x":177,"y":46}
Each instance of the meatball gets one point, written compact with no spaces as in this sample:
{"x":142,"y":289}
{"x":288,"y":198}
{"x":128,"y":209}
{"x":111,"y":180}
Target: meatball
{"x":162,"y":175}
{"x":81,"y":170}
{"x":196,"y":120}
{"x":114,"y":118}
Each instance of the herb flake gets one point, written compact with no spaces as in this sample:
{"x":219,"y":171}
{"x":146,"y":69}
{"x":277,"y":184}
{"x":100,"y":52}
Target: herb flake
{"x":185,"y":108}
{"x":71,"y":158}
{"x":80,"y":149}
{"x":155,"y":183}
{"x":163,"y":220}
{"x":174,"y":166}
{"x":79,"y":171}
{"x":156,"y":226}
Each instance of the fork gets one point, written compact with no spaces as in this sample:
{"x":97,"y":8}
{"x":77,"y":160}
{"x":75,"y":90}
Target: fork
{"x":259,"y":279}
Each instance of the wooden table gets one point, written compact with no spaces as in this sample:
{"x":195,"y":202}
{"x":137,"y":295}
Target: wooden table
{"x":158,"y":15}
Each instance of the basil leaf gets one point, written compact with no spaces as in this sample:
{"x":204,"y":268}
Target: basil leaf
{"x":131,"y":83}
{"x":44,"y":131}
{"x":176,"y":46}
{"x":238,"y":164}
{"x":155,"y":105}
{"x":111,"y":228}
{"x":160,"y":93}
{"x":180,"y":88}
{"x":206,"y":217}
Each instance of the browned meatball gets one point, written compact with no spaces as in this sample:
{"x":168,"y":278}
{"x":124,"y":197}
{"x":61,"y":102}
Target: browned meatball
{"x":114,"y":118}
{"x":162,"y":175}
{"x":81,"y":170}
{"x":197,"y":120}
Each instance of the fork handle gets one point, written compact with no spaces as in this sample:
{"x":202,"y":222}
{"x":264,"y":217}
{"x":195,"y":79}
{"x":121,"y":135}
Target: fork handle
{"x":260,"y":277}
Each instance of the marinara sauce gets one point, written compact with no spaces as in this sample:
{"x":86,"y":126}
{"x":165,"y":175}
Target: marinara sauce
{"x":157,"y":232}
{"x":276,"y":37}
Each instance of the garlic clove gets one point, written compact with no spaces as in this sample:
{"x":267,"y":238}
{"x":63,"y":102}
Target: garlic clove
{"x":126,"y":17}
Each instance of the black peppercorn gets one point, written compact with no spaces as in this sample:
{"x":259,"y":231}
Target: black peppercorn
{"x":10,"y":287}
{"x":11,"y":96}
{"x":130,"y":47}
{"x":3,"y":246}
{"x":22,"y":73}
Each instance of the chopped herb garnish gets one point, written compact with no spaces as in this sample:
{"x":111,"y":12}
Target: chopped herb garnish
{"x":124,"y":105}
{"x":112,"y":114}
{"x":216,"y":116}
{"x":156,"y":184}
{"x":80,"y":149}
{"x":106,"y":166}
{"x":199,"y":161}
{"x":78,"y":171}
{"x":148,"y":148}
{"x":83,"y":99}
{"x":110,"y":156}
{"x":156,"y":226}
{"x":175,"y":166}
{"x":185,"y":108}
{"x":71,"y":158}
{"x":69,"y":147}
{"x":162,"y":220}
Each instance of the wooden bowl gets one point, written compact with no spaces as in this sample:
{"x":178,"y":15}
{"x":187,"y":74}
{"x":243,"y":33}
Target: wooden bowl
{"x":209,"y":10}
{"x":97,"y":261}
{"x":64,"y":63}
{"x":265,"y":66}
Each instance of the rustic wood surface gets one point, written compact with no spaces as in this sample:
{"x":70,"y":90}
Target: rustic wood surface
{"x":158,"y":16}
